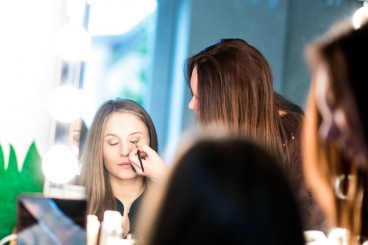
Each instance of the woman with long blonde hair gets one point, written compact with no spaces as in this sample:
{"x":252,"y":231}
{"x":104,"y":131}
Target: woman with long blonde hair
{"x":111,"y":171}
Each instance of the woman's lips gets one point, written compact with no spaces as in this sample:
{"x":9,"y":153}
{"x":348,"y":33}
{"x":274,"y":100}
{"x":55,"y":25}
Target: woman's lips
{"x":125,"y":165}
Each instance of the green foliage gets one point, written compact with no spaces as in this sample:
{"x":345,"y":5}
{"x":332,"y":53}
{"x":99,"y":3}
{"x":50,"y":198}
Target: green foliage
{"x":13,"y":182}
{"x":129,"y":94}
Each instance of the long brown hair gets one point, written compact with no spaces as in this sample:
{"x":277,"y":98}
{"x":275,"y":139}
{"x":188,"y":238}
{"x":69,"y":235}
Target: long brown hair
{"x":235,"y":89}
{"x":93,"y":174}
{"x":326,"y":168}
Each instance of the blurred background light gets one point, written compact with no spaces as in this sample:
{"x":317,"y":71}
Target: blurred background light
{"x":59,"y":164}
{"x":359,"y":16}
{"x":73,"y":43}
{"x":117,"y":17}
{"x":67,"y":103}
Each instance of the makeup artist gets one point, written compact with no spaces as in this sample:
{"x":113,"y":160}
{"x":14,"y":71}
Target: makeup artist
{"x":232,"y":87}
{"x":232,"y":81}
{"x":111,"y":170}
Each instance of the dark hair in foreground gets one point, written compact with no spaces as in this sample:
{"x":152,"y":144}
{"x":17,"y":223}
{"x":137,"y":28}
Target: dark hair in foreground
{"x":224,"y":191}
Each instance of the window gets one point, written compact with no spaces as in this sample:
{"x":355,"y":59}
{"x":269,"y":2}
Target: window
{"x":121,"y":52}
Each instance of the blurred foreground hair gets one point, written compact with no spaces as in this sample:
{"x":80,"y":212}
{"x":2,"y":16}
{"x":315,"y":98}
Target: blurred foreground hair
{"x":222,"y":190}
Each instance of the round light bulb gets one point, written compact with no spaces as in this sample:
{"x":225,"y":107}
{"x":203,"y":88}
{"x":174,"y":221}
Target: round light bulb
{"x":73,"y":43}
{"x":66,"y":103}
{"x":359,"y":16}
{"x":59,"y":164}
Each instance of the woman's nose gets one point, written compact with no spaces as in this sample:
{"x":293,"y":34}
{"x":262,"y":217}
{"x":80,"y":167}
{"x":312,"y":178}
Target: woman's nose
{"x":125,"y":149}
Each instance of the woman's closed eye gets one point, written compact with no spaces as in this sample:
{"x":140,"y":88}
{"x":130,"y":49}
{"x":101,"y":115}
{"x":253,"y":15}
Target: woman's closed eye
{"x":134,"y":141}
{"x":113,"y":142}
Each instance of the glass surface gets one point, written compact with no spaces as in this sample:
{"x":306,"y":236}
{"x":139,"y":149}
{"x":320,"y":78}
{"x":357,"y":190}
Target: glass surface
{"x":146,"y":63}
{"x":122,"y":40}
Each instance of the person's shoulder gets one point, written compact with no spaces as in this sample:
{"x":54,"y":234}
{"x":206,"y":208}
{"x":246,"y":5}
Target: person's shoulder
{"x":292,"y":120}
{"x":292,"y":124}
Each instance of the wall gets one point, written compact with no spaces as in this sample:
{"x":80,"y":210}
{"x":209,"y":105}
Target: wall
{"x":28,"y":72}
{"x":280,"y":29}
{"x":308,"y":20}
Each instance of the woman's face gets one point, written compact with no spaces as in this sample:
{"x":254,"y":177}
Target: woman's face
{"x":340,"y":119}
{"x":122,"y":130}
{"x":193,"y":103}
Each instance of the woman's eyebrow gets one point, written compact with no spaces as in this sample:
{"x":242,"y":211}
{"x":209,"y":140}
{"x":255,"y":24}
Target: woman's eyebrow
{"x":115,"y":135}
{"x":110,"y":134}
{"x":133,"y":133}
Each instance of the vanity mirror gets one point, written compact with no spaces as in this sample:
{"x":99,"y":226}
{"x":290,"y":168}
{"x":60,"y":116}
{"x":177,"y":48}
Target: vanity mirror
{"x":171,"y":31}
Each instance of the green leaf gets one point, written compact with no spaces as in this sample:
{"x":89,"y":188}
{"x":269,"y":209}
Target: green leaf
{"x":9,"y":189}
{"x":31,"y":176}
{"x":13,"y":182}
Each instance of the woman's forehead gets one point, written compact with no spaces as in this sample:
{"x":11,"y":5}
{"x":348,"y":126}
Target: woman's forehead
{"x":124,"y":120}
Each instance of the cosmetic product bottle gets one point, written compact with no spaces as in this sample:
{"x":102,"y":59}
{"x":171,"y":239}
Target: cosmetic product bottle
{"x":93,"y":227}
{"x":111,"y":228}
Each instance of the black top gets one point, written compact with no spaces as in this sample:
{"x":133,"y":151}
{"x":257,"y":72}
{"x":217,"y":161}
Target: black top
{"x":312,"y":214}
{"x":132,"y":212}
